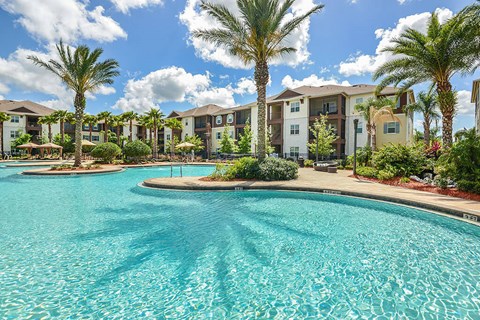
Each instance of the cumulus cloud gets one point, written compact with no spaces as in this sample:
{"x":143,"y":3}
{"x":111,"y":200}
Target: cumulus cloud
{"x":195,"y":19}
{"x":16,"y":70}
{"x":464,"y":105}
{"x":312,"y":80}
{"x":125,"y":5}
{"x":174,"y":84}
{"x":360,"y":64}
{"x":70,"y":20}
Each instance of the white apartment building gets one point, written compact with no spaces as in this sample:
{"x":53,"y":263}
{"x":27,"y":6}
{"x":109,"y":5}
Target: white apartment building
{"x":476,"y":100}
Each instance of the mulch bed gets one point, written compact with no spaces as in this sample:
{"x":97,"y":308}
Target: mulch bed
{"x":452,"y":192}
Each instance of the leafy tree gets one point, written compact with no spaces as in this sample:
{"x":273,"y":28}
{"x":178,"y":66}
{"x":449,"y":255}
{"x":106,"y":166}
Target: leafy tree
{"x":155,"y":116}
{"x":137,"y":150}
{"x":245,"y":142}
{"x":374,"y":111}
{"x":67,"y":143}
{"x":3,"y":118}
{"x":197,"y":141}
{"x":107,"y":118}
{"x":49,"y":121}
{"x":324,"y":136}
{"x":257,"y":34}
{"x":81,"y":72}
{"x":227,"y":143}
{"x":91,"y":121}
{"x":107,"y":151}
{"x":146,"y":123}
{"x":63,"y":116}
{"x":444,"y":50}
{"x":118,"y":123}
{"x":170,"y":144}
{"x":173,"y":124}
{"x":130,"y":116}
{"x":22,"y":139}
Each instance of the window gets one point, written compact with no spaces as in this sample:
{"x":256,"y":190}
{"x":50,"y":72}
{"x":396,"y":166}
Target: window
{"x":14,"y":134}
{"x":85,"y":127}
{"x":186,"y":123}
{"x":95,"y":127}
{"x":358,"y":100}
{"x":219,"y":135}
{"x":230,"y":118}
{"x":294,"y":129}
{"x":360,"y":127}
{"x":15,"y":119}
{"x":168,"y":136}
{"x":391,"y":127}
{"x":95,"y":138}
{"x":86,"y":137}
{"x":294,"y":152}
{"x":330,"y":107}
{"x":218,"y":120}
{"x":295,"y":106}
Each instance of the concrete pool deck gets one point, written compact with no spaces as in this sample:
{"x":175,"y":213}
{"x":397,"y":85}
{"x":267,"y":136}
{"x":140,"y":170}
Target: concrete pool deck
{"x":340,"y":184}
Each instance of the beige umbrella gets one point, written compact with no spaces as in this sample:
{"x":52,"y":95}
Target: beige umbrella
{"x":185,"y":145}
{"x":87,"y":143}
{"x":29,"y":146}
{"x":49,"y":146}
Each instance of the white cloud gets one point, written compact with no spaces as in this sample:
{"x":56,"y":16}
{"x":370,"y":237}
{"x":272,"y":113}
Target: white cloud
{"x":464,"y":106}
{"x":195,"y":19}
{"x":125,"y":5}
{"x":70,"y":20}
{"x":360,"y":64}
{"x":245,"y":86}
{"x":220,"y":96}
{"x":312,"y":80}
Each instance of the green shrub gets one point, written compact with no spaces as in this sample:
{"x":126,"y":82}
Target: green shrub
{"x":405,"y":180}
{"x":106,"y":151}
{"x":137,"y":150}
{"x":386,"y":174}
{"x":368,"y":172}
{"x":308,"y":163}
{"x":245,"y":168}
{"x":440,"y":181}
{"x":221,"y":172}
{"x":274,"y":169}
{"x":469,"y":186}
{"x":400,"y":160}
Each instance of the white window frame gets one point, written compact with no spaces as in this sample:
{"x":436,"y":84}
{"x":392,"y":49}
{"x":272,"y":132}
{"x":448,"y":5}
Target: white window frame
{"x":95,"y":138}
{"x":295,"y":106}
{"x":392,"y":125}
{"x":218,"y":120}
{"x":294,"y":129}
{"x":169,"y":137}
{"x":15,"y":119}
{"x":360,"y":127}
{"x":14,"y":134}
{"x":86,"y":137}
{"x":294,"y":151}
{"x":358,"y":100}
{"x":230,"y":118}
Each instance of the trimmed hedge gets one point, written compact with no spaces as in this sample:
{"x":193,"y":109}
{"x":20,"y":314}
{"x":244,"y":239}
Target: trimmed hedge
{"x":274,"y":169}
{"x":106,"y":151}
{"x":368,"y":172}
{"x":137,"y":150}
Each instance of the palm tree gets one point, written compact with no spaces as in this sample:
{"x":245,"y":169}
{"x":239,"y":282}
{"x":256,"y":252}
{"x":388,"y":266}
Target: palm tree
{"x":3,"y":118}
{"x":81,"y":72}
{"x":92,"y":121}
{"x":373,"y":111}
{"x":427,"y":105}
{"x":437,"y":55}
{"x":146,"y":123}
{"x":49,"y":121}
{"x":63,"y":116}
{"x":155,"y":116}
{"x":130,"y":116}
{"x":173,"y":124}
{"x":106,"y":116}
{"x":256,"y":35}
{"x":118,"y":123}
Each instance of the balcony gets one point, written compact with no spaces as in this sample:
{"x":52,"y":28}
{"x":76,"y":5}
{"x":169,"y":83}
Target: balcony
{"x":33,"y":126}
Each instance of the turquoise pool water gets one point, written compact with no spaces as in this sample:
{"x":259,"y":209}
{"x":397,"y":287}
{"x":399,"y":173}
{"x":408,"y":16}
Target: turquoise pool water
{"x":102,"y":247}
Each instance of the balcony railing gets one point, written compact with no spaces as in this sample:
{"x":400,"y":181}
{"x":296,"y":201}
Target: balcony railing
{"x":275,"y":115}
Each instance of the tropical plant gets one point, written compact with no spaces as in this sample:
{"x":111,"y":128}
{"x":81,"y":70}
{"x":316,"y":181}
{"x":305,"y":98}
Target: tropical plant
{"x":426,"y":105}
{"x":257,"y":34}
{"x":197,"y":141}
{"x":245,"y":141}
{"x":63,"y":116}
{"x":137,"y":150}
{"x":227,"y":143}
{"x":368,"y":172}
{"x":155,"y":116}
{"x":171,"y":143}
{"x":118,"y":122}
{"x":22,"y":139}
{"x":245,"y":168}
{"x":67,"y":143}
{"x":106,"y":151}
{"x":3,"y":118}
{"x":400,"y":160}
{"x":81,"y":72}
{"x":173,"y":124}
{"x":373,"y":111}
{"x":274,"y":169}
{"x":48,"y":121}
{"x":444,"y":50}
{"x":146,"y":123}
{"x":107,"y":118}
{"x":130,"y":116}
{"x":91,"y":121}
{"x":323,"y":137}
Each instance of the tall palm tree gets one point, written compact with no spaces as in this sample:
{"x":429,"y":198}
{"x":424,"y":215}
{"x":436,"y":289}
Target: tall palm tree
{"x":146,"y":123}
{"x":3,"y":118}
{"x":106,"y":116}
{"x":92,"y":121}
{"x":156,"y":117}
{"x":81,"y":71}
{"x":427,"y":105}
{"x":118,"y":123}
{"x":63,"y":116}
{"x":48,"y":121}
{"x":437,"y":55}
{"x":130,"y":116}
{"x":373,"y":111}
{"x":173,"y":124}
{"x":256,"y":35}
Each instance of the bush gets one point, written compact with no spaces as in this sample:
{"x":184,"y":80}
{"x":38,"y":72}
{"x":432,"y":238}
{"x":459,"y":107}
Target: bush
{"x":106,"y":151}
{"x":137,"y":150}
{"x":405,"y":180}
{"x":386,"y":174}
{"x":245,"y":168}
{"x":274,"y":169}
{"x":469,"y":186}
{"x":308,"y":163}
{"x":221,"y":172}
{"x":400,"y":160}
{"x":440,"y":182}
{"x":368,"y":172}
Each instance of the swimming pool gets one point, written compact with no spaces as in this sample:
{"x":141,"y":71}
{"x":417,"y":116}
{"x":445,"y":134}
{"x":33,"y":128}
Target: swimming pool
{"x":103,"y":247}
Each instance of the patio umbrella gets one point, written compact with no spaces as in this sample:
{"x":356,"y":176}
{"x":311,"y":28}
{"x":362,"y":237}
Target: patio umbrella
{"x":87,"y":143}
{"x":185,"y":145}
{"x":49,"y":146}
{"x":29,"y":146}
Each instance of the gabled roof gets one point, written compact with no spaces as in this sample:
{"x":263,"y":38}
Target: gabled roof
{"x":209,"y":109}
{"x":475,"y":89}
{"x":175,"y":114}
{"x":24,"y":107}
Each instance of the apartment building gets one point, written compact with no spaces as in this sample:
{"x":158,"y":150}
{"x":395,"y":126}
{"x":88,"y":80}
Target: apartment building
{"x":476,"y":100}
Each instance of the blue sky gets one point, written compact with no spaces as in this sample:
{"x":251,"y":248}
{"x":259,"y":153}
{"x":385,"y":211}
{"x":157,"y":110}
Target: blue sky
{"x":161,"y":65}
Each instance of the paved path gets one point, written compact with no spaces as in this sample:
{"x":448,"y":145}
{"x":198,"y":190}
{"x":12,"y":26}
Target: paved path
{"x":340,"y":183}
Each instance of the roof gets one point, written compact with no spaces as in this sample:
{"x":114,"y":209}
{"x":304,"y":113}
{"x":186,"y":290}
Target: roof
{"x":24,"y":107}
{"x":233,"y":109}
{"x":209,"y":109}
{"x":475,"y":89}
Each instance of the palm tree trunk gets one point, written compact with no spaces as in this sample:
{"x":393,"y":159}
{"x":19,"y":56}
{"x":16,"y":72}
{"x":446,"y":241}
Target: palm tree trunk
{"x":1,"y":140}
{"x":79,"y":109}
{"x":373,"y":138}
{"x":369,"y":135}
{"x":105,"y":137}
{"x":118,"y":135}
{"x":150,"y":136}
{"x":131,"y":128}
{"x":261,"y":81}
{"x":426,"y":131}
{"x":62,"y":131}
{"x":49,"y":133}
{"x":154,"y":142}
{"x":447,"y":101}
{"x":90,"y":131}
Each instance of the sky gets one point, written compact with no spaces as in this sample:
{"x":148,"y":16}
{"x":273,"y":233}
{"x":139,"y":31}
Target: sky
{"x":163,"y":66}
